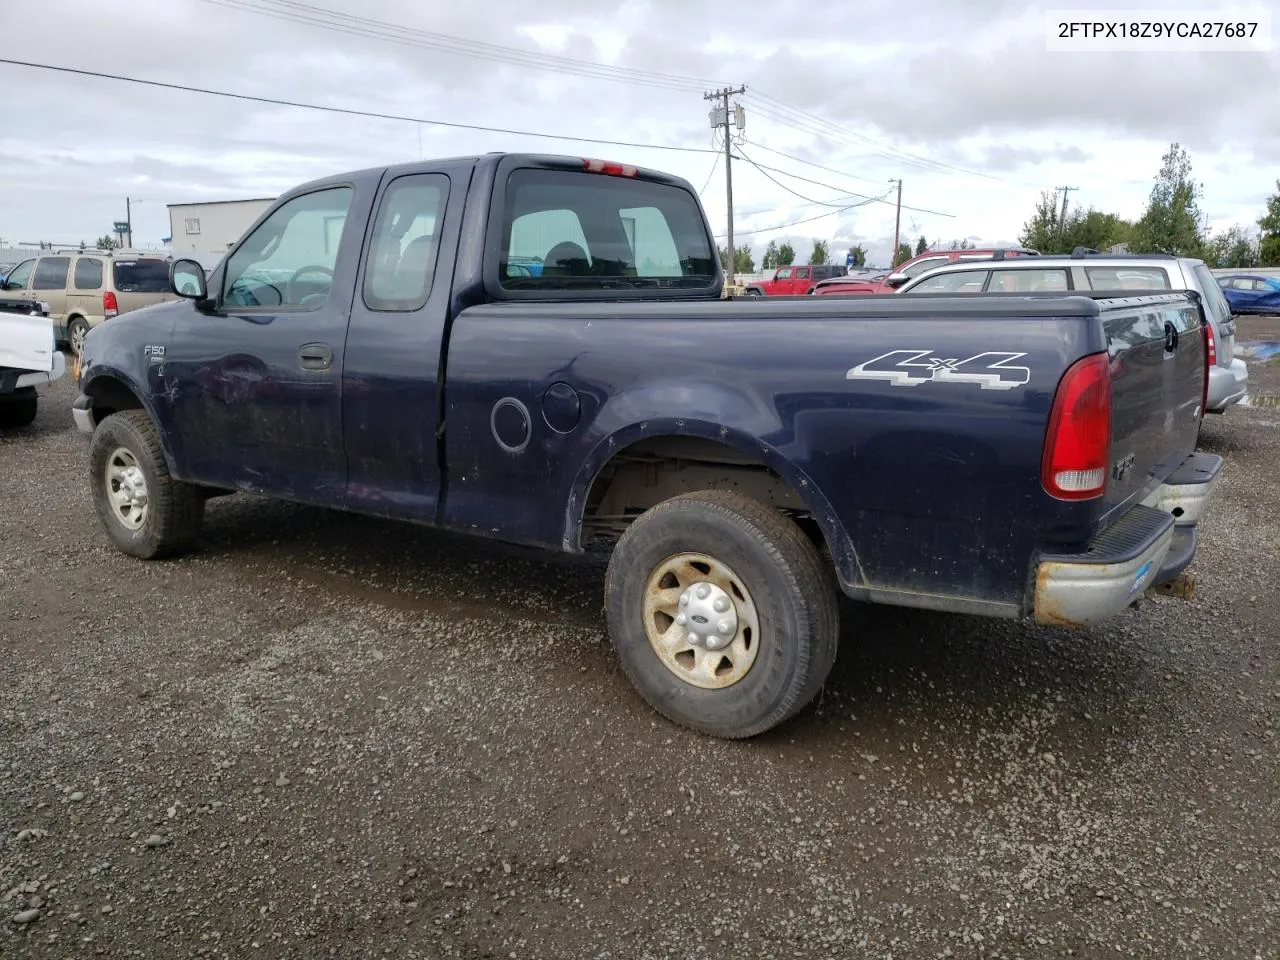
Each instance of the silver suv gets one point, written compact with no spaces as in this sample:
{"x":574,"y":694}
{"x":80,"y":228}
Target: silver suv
{"x":1087,"y":270}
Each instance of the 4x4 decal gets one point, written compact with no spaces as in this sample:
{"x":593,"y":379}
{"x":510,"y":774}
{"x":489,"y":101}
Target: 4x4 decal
{"x":910,"y":368}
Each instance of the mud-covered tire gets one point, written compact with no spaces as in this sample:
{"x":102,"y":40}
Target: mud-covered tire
{"x":20,"y":408}
{"x":792,"y":590}
{"x":174,"y":510}
{"x":77,"y":330}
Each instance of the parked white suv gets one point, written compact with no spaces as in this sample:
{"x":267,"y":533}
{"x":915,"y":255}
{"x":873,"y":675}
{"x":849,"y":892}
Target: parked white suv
{"x":1089,"y":271}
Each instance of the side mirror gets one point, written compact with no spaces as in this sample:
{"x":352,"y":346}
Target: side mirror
{"x":186,"y":279}
{"x":896,"y":280}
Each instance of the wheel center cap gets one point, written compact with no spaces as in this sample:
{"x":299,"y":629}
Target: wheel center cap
{"x":709,"y":616}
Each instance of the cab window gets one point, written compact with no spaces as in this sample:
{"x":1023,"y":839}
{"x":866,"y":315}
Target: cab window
{"x":288,"y":260}
{"x":961,"y":281}
{"x":51,"y":273}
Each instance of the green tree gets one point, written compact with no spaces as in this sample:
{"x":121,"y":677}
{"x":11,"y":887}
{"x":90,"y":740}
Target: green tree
{"x":107,"y":242}
{"x":1171,"y":222}
{"x":1234,"y":248}
{"x":770,"y":261}
{"x":1269,"y":244}
{"x":921,"y":246}
{"x":786,"y":255}
{"x":1047,"y":232}
{"x":821,"y":255}
{"x":903,"y":255}
{"x":743,"y":261}
{"x":859,"y":255}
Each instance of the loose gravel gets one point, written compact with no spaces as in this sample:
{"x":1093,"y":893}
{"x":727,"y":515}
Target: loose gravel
{"x":324,"y":735}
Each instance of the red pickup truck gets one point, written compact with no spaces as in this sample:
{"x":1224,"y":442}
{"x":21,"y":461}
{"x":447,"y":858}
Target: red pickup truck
{"x":793,"y":280}
{"x":929,"y":260}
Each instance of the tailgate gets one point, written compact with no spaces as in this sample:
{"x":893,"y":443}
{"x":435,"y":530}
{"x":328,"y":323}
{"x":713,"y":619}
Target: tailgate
{"x":1157,"y":357}
{"x":26,"y":341}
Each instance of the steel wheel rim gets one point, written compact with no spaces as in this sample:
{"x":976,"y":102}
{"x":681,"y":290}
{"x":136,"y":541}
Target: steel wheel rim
{"x":696,"y":636}
{"x":126,"y":489}
{"x":78,"y":334}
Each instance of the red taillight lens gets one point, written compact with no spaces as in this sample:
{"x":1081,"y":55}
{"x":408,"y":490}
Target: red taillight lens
{"x":1078,"y":442}
{"x":1210,"y":358}
{"x":608,"y":168}
{"x":110,"y":308}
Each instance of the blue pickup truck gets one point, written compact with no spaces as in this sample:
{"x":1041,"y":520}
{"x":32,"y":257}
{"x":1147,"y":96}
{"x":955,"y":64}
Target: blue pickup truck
{"x":377,"y":343}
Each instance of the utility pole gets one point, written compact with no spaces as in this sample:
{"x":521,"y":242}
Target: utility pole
{"x":1062,"y":217}
{"x":128,"y":218}
{"x":722,"y":117}
{"x":897,"y":225}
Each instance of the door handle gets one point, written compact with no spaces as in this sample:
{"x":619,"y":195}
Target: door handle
{"x":1170,"y":337}
{"x":315,"y":356}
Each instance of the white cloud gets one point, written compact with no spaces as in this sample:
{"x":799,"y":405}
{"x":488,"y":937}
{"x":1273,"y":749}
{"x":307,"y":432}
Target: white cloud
{"x":965,"y":106}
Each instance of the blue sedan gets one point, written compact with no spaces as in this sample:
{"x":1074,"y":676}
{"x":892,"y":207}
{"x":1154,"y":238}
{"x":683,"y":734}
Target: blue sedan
{"x":1251,"y":293}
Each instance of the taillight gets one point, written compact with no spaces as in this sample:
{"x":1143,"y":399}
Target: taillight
{"x":1078,"y":442}
{"x":608,"y":167}
{"x":110,"y":308}
{"x":1210,"y":358}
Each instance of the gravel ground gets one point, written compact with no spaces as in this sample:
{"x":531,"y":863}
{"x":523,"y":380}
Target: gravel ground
{"x":323,"y":735}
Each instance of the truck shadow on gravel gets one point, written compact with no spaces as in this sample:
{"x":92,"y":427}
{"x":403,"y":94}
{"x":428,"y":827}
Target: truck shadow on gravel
{"x":896,"y":668}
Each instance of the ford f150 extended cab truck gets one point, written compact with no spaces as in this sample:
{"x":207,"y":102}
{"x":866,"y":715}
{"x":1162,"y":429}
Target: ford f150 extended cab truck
{"x":377,"y":342}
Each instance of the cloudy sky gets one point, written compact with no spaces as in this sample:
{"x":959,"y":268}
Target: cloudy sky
{"x":958,"y":99}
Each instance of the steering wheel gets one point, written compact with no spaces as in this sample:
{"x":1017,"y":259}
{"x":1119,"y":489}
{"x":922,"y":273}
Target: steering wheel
{"x":311,"y":268}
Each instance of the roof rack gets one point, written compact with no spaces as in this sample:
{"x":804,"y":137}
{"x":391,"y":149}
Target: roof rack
{"x":1079,"y":253}
{"x":112,"y":252}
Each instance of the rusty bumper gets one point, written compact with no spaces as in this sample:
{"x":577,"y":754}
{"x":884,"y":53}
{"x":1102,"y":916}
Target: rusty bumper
{"x":1151,"y":545}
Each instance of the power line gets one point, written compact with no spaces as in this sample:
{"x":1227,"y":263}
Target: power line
{"x":795,"y":193}
{"x":295,"y":12}
{"x":796,"y":223}
{"x":762,"y":168}
{"x":275,"y":101}
{"x":811,"y":163}
{"x":714,"y":165}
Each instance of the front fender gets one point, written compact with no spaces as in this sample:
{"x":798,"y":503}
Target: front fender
{"x":103,"y":381}
{"x":815,"y":500}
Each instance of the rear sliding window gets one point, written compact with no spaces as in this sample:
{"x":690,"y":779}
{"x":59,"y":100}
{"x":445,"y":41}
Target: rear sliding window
{"x":141,"y":276}
{"x":564,"y":230}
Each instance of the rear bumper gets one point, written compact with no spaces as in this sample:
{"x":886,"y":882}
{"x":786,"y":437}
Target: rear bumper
{"x":1227,"y":385}
{"x":1150,"y":544}
{"x":36,"y":378}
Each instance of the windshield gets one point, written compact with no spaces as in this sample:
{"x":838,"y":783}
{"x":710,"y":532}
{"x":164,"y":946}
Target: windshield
{"x":141,"y":276}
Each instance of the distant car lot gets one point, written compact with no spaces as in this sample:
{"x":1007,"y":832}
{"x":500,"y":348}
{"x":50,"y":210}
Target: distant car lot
{"x":328,"y":733}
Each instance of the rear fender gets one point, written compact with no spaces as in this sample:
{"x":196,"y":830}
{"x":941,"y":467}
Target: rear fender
{"x":815,"y":501}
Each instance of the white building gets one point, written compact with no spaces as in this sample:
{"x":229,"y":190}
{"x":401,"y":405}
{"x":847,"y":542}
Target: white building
{"x":204,"y":231}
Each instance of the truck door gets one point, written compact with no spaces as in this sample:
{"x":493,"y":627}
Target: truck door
{"x":390,"y":394}
{"x":801,"y":283}
{"x":254,"y":386}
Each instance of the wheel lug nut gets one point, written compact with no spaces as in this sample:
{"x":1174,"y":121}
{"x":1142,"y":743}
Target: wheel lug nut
{"x":682,"y":619}
{"x":684,"y":599}
{"x":704,"y":591}
{"x":694,"y":638}
{"x":722,"y":604}
{"x":724,"y":626}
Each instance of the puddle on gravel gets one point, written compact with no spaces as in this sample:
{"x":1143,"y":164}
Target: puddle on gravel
{"x":1257,"y":349}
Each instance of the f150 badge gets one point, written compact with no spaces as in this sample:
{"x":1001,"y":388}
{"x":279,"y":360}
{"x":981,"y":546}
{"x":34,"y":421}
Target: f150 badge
{"x":910,"y":368}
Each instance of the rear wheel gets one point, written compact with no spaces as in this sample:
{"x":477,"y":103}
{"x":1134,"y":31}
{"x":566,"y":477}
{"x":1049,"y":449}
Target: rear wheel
{"x":19,"y":408}
{"x":77,"y":330}
{"x":722,"y":613}
{"x":146,"y":513}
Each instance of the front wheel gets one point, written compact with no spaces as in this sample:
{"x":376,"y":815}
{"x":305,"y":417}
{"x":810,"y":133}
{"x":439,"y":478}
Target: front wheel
{"x":722,"y":613}
{"x":146,"y":513}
